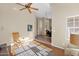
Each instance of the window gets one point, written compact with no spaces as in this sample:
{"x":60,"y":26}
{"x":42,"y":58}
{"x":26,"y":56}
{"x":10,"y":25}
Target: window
{"x":73,"y":24}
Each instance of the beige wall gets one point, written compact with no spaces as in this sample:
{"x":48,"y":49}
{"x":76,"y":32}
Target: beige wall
{"x":60,"y":12}
{"x":14,"y":20}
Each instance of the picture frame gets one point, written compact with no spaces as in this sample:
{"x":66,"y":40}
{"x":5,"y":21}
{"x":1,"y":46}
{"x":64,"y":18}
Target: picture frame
{"x":29,"y":27}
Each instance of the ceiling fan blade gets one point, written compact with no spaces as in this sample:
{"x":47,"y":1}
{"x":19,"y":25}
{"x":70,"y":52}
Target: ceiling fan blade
{"x":22,"y":9}
{"x":20,"y":4}
{"x":34,"y":8}
{"x":29,"y":4}
{"x":29,"y":10}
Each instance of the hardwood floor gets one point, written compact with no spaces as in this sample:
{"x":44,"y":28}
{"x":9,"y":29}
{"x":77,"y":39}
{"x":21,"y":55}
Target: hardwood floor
{"x":44,"y":38}
{"x":55,"y":50}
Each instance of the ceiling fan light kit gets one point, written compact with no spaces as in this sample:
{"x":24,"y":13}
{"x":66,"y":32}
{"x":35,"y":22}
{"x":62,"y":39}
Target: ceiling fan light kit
{"x":27,"y":6}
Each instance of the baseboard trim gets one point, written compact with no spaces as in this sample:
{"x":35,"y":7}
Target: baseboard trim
{"x":3,"y":43}
{"x":58,"y":46}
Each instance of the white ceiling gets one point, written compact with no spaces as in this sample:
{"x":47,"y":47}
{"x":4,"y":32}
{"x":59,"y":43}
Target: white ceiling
{"x":44,"y":9}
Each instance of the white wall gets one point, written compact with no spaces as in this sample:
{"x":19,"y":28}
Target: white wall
{"x":60,"y":12}
{"x":14,"y":20}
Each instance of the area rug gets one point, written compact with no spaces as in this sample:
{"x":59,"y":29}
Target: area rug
{"x":34,"y":49}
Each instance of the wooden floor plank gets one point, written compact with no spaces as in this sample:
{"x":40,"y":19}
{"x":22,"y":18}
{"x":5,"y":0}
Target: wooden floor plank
{"x":55,"y":50}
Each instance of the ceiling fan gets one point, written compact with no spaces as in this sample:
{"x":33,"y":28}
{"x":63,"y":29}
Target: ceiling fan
{"x":27,"y":6}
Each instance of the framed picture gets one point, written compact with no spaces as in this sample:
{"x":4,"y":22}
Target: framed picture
{"x":29,"y":27}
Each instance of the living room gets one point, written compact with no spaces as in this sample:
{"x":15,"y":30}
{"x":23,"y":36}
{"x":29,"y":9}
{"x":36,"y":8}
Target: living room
{"x":13,"y":21}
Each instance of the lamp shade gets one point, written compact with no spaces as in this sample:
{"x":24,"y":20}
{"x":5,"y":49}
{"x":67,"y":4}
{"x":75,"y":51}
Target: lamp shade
{"x":74,"y":39}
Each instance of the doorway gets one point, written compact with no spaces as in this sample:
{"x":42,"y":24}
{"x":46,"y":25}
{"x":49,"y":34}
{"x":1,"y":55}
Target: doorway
{"x":43,"y":29}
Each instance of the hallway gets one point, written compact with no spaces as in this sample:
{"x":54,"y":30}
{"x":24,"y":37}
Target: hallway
{"x":43,"y":29}
{"x":44,"y":38}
